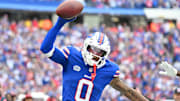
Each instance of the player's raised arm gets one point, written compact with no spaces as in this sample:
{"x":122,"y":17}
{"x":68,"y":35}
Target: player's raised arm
{"x":66,"y":14}
{"x":169,"y":70}
{"x":47,"y":44}
{"x":127,"y":91}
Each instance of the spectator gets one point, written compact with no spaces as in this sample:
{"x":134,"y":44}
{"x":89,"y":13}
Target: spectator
{"x":14,"y":98}
{"x":52,"y":98}
{"x":8,"y":97}
{"x":176,"y":95}
{"x":1,"y":96}
{"x":28,"y":98}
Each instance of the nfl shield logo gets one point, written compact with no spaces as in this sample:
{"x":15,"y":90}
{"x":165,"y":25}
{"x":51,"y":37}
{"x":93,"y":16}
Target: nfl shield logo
{"x":76,"y":68}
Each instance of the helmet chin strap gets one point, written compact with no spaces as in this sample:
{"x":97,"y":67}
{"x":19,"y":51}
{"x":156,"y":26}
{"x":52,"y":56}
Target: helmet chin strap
{"x":93,"y":75}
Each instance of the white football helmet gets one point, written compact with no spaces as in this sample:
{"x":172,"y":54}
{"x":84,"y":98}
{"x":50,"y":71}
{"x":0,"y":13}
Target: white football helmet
{"x":96,"y":49}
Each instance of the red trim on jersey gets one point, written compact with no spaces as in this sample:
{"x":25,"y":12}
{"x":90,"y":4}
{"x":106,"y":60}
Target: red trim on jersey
{"x":117,"y":73}
{"x":67,"y":50}
{"x":66,"y":56}
{"x":93,"y":75}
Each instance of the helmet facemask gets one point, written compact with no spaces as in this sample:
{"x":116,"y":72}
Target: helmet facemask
{"x":95,"y":53}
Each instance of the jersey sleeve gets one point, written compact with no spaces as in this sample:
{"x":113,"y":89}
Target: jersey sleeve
{"x":47,"y":46}
{"x":59,"y":55}
{"x":116,"y":71}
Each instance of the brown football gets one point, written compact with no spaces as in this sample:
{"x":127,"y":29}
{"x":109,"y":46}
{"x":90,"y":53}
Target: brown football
{"x":69,"y":9}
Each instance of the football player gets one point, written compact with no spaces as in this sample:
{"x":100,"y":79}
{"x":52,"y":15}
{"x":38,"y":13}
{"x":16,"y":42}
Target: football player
{"x":86,"y":72}
{"x":169,"y":70}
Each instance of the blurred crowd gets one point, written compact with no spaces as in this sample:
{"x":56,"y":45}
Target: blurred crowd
{"x":137,"y":50}
{"x":115,"y":3}
{"x":130,"y":3}
{"x":134,"y":3}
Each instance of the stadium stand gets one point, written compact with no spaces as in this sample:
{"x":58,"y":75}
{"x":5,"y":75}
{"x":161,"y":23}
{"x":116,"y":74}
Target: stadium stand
{"x":137,"y":49}
{"x":107,"y":3}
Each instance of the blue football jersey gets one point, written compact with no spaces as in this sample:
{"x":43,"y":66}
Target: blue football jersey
{"x":77,"y":81}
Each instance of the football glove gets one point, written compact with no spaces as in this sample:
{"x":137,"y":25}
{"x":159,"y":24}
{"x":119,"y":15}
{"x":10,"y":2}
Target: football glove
{"x":66,"y":20}
{"x":169,"y":70}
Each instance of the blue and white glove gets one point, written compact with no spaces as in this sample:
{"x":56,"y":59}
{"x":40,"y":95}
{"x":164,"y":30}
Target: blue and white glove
{"x":169,"y":70}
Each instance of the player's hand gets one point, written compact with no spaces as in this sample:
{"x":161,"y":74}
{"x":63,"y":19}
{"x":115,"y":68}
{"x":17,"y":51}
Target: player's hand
{"x":169,"y":70}
{"x":66,"y":20}
{"x":71,"y":19}
{"x":61,"y":21}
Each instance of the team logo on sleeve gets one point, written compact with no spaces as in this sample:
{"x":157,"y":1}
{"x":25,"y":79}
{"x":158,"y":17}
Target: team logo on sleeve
{"x":76,"y":68}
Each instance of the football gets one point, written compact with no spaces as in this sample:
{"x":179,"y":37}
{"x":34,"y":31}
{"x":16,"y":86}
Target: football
{"x":69,"y":9}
